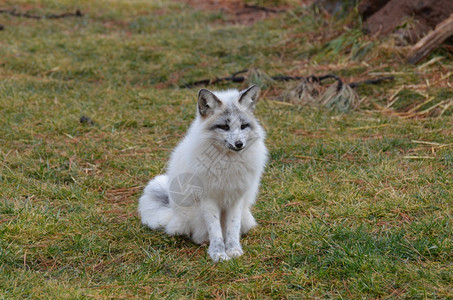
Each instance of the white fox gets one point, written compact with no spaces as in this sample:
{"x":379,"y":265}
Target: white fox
{"x":213,"y":175}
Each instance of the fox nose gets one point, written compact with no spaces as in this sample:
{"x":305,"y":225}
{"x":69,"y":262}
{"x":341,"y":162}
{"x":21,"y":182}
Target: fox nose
{"x":239,"y":144}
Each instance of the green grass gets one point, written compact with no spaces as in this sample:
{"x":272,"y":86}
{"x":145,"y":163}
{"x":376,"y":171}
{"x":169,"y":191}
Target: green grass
{"x":355,"y":205}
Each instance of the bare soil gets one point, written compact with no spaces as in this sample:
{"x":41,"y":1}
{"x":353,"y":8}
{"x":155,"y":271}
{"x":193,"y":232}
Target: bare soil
{"x":412,"y":19}
{"x":239,"y":12}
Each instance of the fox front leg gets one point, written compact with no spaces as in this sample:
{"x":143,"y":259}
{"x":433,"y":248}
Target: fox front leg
{"x":211,"y":215}
{"x":233,"y":230}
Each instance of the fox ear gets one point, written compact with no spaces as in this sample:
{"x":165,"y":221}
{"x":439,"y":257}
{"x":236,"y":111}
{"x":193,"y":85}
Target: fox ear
{"x":249,"y":97}
{"x":207,"y":102}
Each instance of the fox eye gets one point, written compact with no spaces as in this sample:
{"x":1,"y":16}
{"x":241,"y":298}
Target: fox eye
{"x":225,"y":127}
{"x":244,"y":126}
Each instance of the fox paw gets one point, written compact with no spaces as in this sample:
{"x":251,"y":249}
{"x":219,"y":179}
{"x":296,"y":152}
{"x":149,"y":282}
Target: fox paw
{"x":234,"y":251}
{"x":216,"y":257}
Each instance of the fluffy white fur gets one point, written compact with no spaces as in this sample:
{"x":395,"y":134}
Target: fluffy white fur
{"x":222,"y":158}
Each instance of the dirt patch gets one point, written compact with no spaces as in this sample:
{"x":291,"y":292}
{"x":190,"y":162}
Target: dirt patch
{"x":410,"y":19}
{"x":238,"y":12}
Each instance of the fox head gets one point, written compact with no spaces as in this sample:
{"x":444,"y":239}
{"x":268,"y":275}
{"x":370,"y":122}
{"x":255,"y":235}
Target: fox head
{"x":228,"y":118}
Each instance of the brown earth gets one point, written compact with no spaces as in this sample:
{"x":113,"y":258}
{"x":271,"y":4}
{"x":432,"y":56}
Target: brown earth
{"x":411,"y":19}
{"x":239,"y":12}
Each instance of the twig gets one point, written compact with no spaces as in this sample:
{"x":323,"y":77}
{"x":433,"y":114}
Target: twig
{"x":449,"y":103}
{"x":14,"y":13}
{"x":446,"y":76}
{"x":426,"y":143}
{"x":393,"y":97}
{"x":432,"y":40}
{"x":203,"y":82}
{"x":235,"y":78}
{"x":266,"y":9}
{"x":420,"y":105}
{"x":430,"y":62}
{"x":372,"y":81}
{"x":433,"y":107}
{"x":392,"y":102}
{"x":312,"y":157}
{"x":282,"y":103}
{"x":386,"y":73}
{"x":25,"y":259}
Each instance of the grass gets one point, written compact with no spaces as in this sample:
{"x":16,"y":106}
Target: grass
{"x":355,"y":205}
